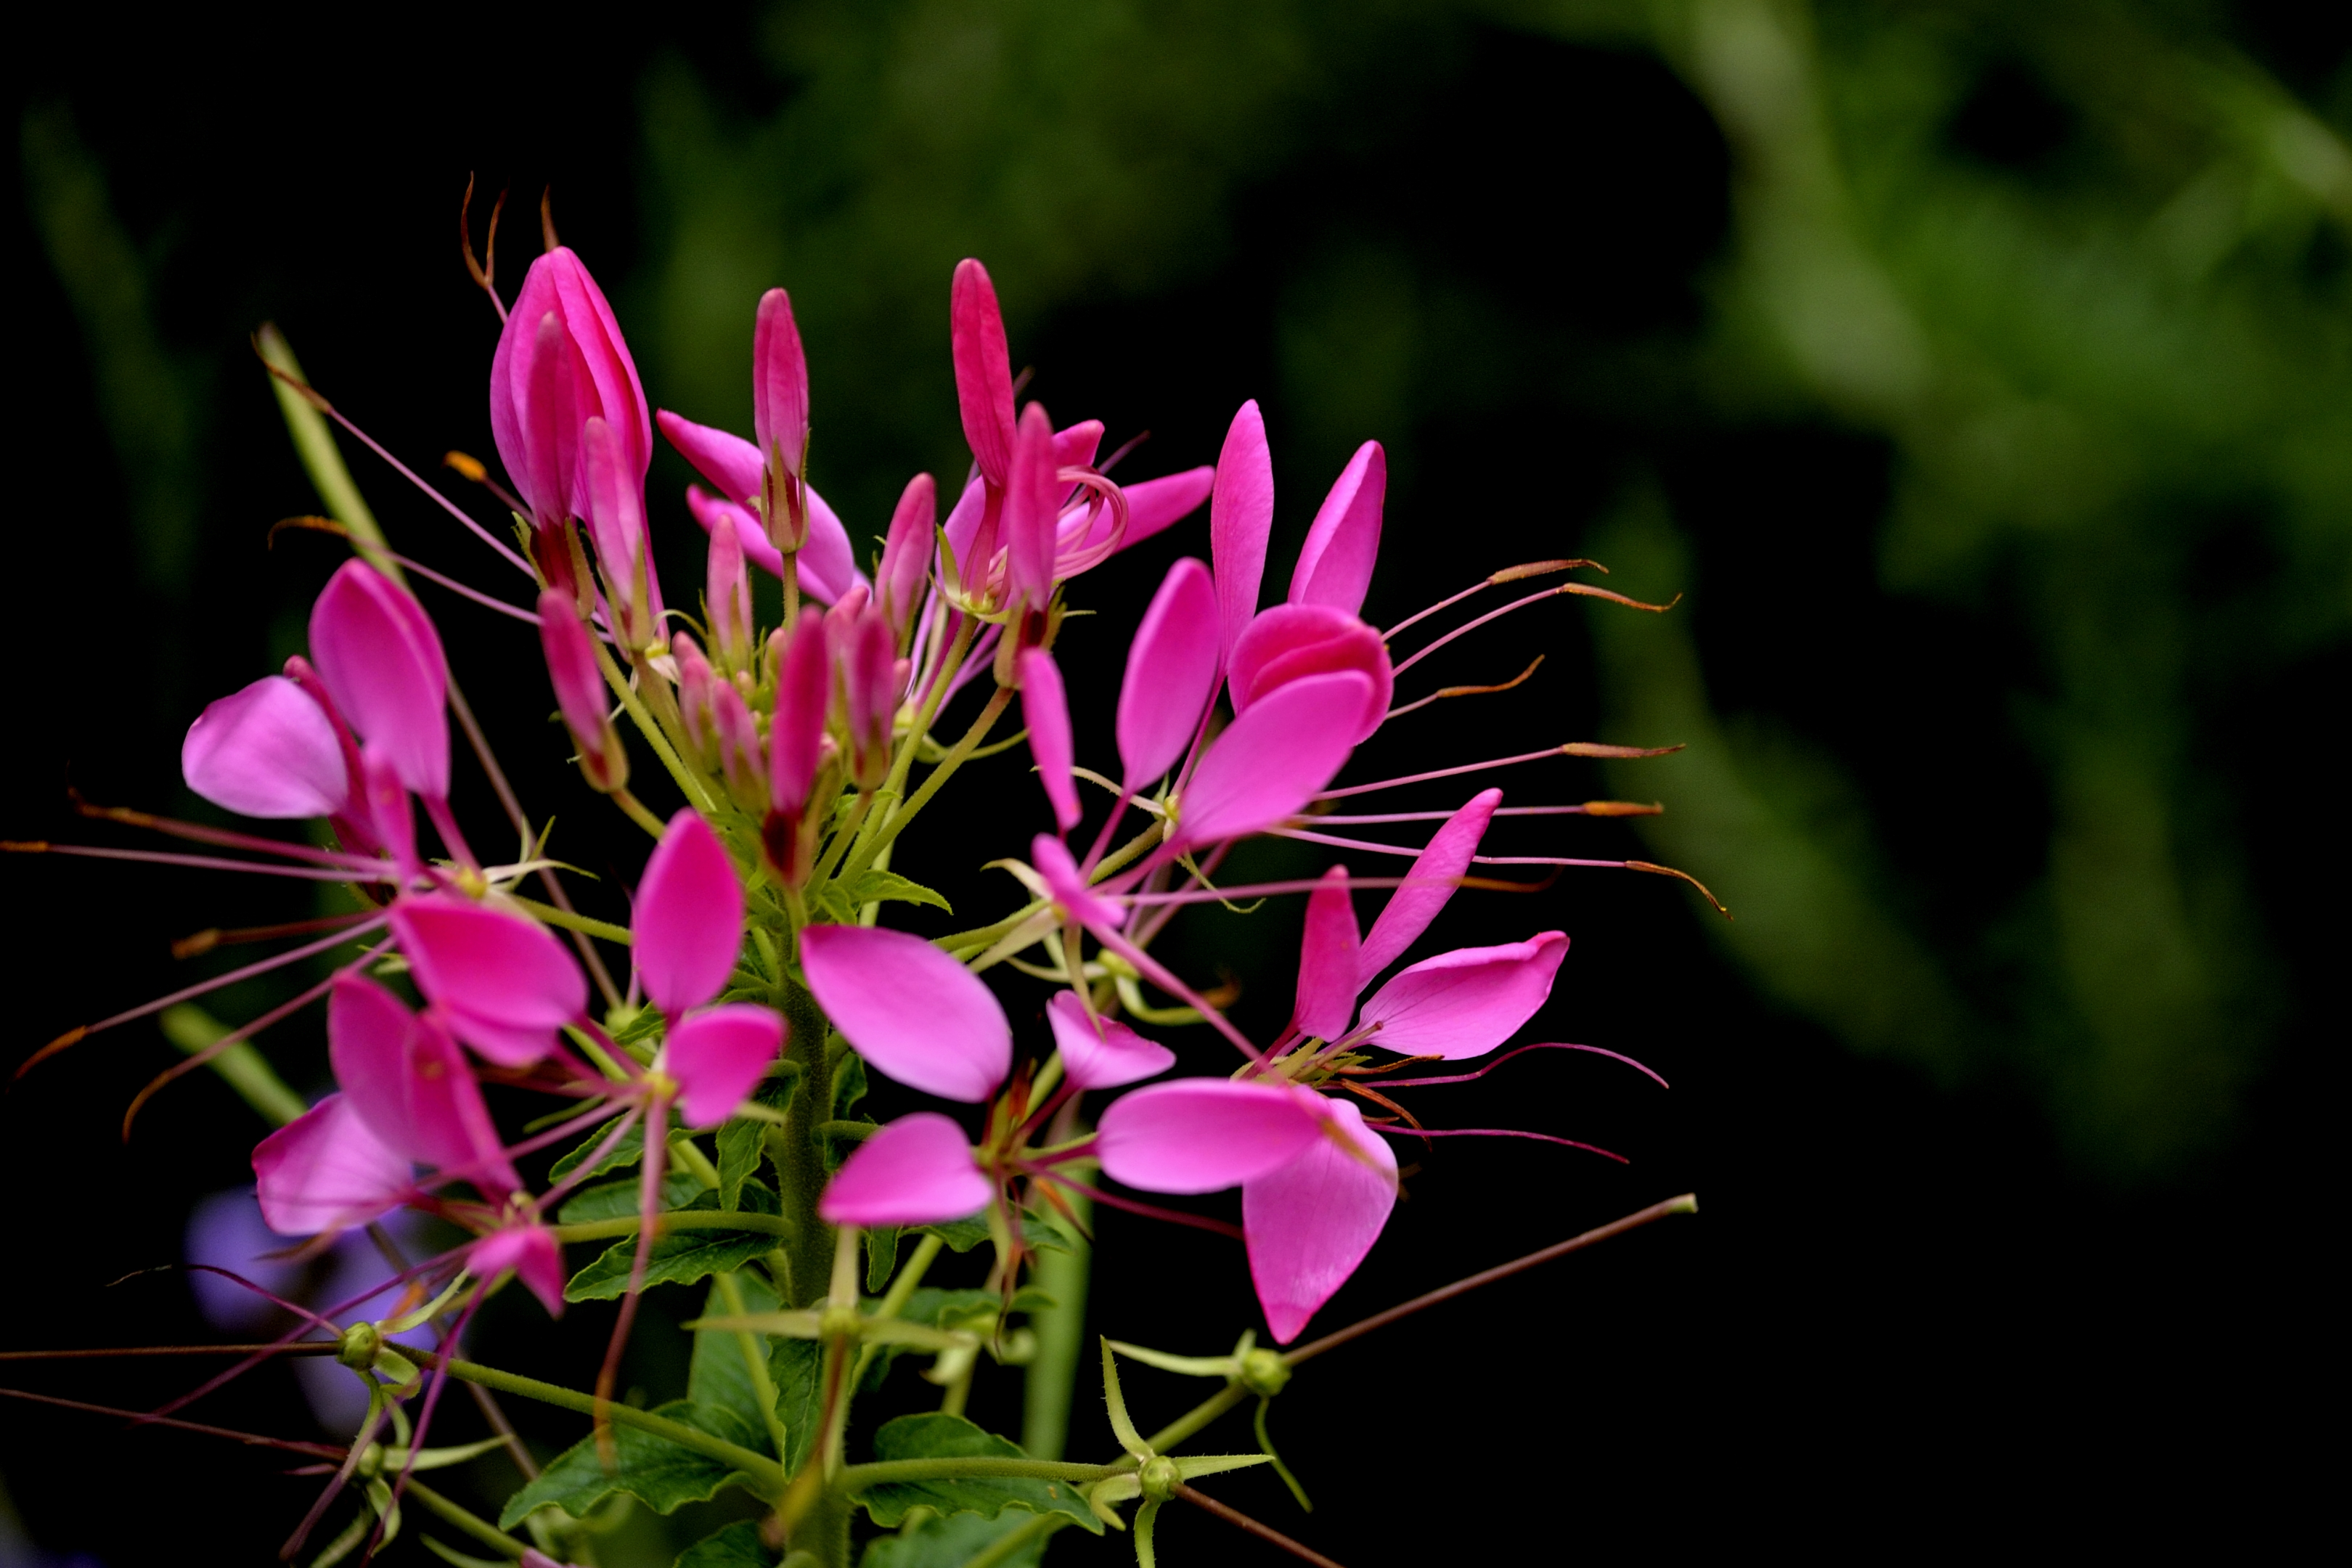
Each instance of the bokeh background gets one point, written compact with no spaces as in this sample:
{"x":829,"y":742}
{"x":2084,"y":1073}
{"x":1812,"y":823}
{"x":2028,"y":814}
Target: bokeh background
{"x":1979,"y":370}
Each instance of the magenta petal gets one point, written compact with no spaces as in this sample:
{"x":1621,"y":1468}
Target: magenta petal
{"x":918,"y":1169}
{"x":1270,"y":761}
{"x":779,"y":382}
{"x":1241,"y":517}
{"x":556,"y":398}
{"x":984,"y":369}
{"x":1327,"y":960}
{"x":907,"y":553}
{"x":1428,"y":885}
{"x":381,"y":660}
{"x":1104,"y":1057}
{"x":796,"y":730}
{"x":1290,"y":642}
{"x":1032,"y":505}
{"x":1203,"y":1134}
{"x":1171,"y":673}
{"x":915,"y":1013}
{"x":325,"y":1170}
{"x":1067,"y":885}
{"x":618,"y":395}
{"x":267,"y":751}
{"x":688,"y":920}
{"x":717,"y":1055}
{"x":1466,"y":1002}
{"x":1047,"y":712}
{"x":505,"y":984}
{"x":1311,"y":1222}
{"x":1334,"y":564}
{"x":712,"y":513}
{"x":725,"y":459}
{"x":616,"y":524}
{"x":531,"y":1251}
{"x":826,"y":563}
{"x":1154,"y":505}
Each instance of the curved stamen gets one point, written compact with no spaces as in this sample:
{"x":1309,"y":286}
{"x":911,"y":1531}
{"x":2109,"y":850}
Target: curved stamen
{"x":1572,"y":749}
{"x":1507,"y":574}
{"x":198,"y":833}
{"x":329,"y":525}
{"x":1498,"y":1061}
{"x":1590,"y":808}
{"x":1445,"y":692}
{"x":1177,"y":1217}
{"x":384,"y":871}
{"x":1493,"y":1132}
{"x":1579,"y":589}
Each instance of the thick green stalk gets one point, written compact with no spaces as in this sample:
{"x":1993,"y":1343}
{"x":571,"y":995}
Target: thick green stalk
{"x":798,"y":1150}
{"x":1199,"y":1415}
{"x":690,"y":784}
{"x":193,"y":1029}
{"x":569,"y":920}
{"x":465,"y":1519}
{"x":314,"y":443}
{"x":1052,"y":1378}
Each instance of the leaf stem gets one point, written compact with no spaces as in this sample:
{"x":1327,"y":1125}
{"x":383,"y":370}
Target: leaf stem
{"x":1001,"y":700}
{"x":570,"y":921}
{"x":465,"y":1519}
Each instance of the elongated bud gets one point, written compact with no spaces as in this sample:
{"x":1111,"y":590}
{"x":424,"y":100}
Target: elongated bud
{"x":729,"y":599}
{"x":697,"y":693}
{"x":907,"y":556}
{"x":580,"y":692}
{"x":742,"y":759}
{"x":871,"y":685}
{"x":779,"y":421}
{"x":1032,"y":505}
{"x":983,"y":370}
{"x":616,"y":519}
{"x":796,"y":742}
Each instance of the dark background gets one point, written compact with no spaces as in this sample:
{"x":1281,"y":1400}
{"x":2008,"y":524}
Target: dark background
{"x":2014,"y":632}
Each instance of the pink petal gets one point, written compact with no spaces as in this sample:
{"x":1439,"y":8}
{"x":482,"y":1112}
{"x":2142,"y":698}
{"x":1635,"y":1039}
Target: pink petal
{"x":727,"y":591}
{"x":616,"y":526}
{"x":1311,"y":1222}
{"x":827,"y":565}
{"x":1428,"y":885}
{"x":325,"y":1170}
{"x":505,"y":984}
{"x":1155,"y":505}
{"x":267,"y":751}
{"x":918,"y":1169}
{"x":1240,"y":516}
{"x":796,"y":731}
{"x":915,"y":1013}
{"x":381,"y":658}
{"x":408,"y":1082}
{"x":1075,"y":447}
{"x":1290,"y":642}
{"x":1067,"y":885}
{"x":1466,"y":1002}
{"x":1107,"y":1058}
{"x":780,"y":404}
{"x":1203,"y":1134}
{"x":1334,"y":564}
{"x":1047,"y":712}
{"x":717,"y":1055}
{"x":555,"y":398}
{"x":714,"y":513}
{"x":531,"y":1251}
{"x":907,"y":553}
{"x":1327,"y":960}
{"x":619,"y":396}
{"x":580,"y":687}
{"x":983,"y":370}
{"x":391,"y":811}
{"x":1270,"y":761}
{"x":688,"y":920}
{"x":1171,"y":673}
{"x":1033,"y":504}
{"x":726,"y":460}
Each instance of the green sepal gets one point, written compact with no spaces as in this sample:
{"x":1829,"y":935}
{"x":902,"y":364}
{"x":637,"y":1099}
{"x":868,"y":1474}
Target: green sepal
{"x":657,"y":1472}
{"x":680,"y":1258}
{"x":616,"y":1200}
{"x":743,"y":1143}
{"x":936,"y":1435}
{"x":737,"y":1546}
{"x":951,"y":1540}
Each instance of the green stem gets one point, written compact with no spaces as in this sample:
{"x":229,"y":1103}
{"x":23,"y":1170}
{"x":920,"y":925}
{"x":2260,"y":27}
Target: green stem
{"x":676,"y":1219}
{"x":696,"y":794}
{"x":997,"y":703}
{"x":798,"y":1148}
{"x":634,"y":810}
{"x":755,"y":1364}
{"x":1007,"y":1546}
{"x":1052,"y":1376}
{"x":314,"y":443}
{"x":248,"y":1072}
{"x":767,"y":1476}
{"x":548,"y":914}
{"x":473,"y":1525}
{"x":1199,"y":1415}
{"x":845,"y":839}
{"x":980,"y":937}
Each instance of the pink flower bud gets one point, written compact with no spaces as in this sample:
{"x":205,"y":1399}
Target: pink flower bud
{"x":796,"y":742}
{"x":871,"y":683}
{"x":907,"y":556}
{"x":983,"y":370}
{"x":697,"y":691}
{"x":616,"y":522}
{"x":560,"y":360}
{"x":779,"y":418}
{"x":1032,"y":505}
{"x":742,"y":759}
{"x":580,"y":692}
{"x":727,"y":599}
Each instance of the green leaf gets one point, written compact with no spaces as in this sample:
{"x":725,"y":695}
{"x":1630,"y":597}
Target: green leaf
{"x":952,"y":1540}
{"x":936,"y":1435}
{"x":881,"y":1256}
{"x":796,"y":1368}
{"x":615,"y":1199}
{"x":627,"y":1152}
{"x":654,"y":1470}
{"x":718,"y":1377}
{"x":682,"y":1256}
{"x":963,"y":1234}
{"x":888,"y":887}
{"x":737,"y":1546}
{"x":848,"y":1086}
{"x":743,"y":1143}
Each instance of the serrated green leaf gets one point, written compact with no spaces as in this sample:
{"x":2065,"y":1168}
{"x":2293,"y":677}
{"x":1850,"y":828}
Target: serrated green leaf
{"x":680,"y":1258}
{"x":796,"y":1368}
{"x":627,"y":1152}
{"x":848,"y":1086}
{"x":657,"y":1472}
{"x":888,"y":887}
{"x":614,"y":1199}
{"x":952,"y":1540}
{"x":737,"y":1546}
{"x":718,"y":1377}
{"x":881,"y":1256}
{"x":936,"y":1435}
{"x":963,"y":1234}
{"x":743,"y":1143}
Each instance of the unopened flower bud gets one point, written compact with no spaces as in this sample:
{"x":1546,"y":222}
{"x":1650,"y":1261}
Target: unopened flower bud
{"x":742,"y":759}
{"x":728,"y":600}
{"x":580,"y":692}
{"x":697,"y":691}
{"x":1160,"y":1478}
{"x":779,"y":421}
{"x":797,"y":744}
{"x":358,"y":1346}
{"x":907,"y":556}
{"x":616,"y":518}
{"x":1264,"y":1373}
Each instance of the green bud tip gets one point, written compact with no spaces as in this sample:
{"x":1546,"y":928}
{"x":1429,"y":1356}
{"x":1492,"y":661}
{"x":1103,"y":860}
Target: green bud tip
{"x":358,"y":1347}
{"x":1160,"y":1478}
{"x":1264,"y":1373}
